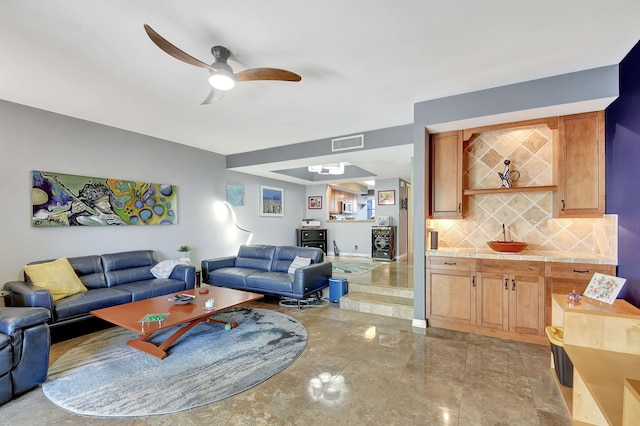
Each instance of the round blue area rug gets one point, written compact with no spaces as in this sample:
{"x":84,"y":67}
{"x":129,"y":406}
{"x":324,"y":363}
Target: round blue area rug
{"x":104,"y":377}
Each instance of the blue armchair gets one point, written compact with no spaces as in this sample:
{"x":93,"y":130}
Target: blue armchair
{"x":24,"y":350}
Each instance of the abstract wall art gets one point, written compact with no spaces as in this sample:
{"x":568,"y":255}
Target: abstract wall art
{"x":235,"y":195}
{"x":68,"y":200}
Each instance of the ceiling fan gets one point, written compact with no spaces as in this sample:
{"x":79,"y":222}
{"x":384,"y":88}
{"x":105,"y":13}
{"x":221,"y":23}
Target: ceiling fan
{"x":221,"y":76}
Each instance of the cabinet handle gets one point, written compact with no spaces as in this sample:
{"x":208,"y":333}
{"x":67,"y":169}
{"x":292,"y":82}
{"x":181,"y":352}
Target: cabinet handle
{"x":578,"y":271}
{"x":450,"y":263}
{"x":473,"y":281}
{"x":563,"y":205}
{"x":506,"y":284}
{"x":459,"y":207}
{"x":513,"y":284}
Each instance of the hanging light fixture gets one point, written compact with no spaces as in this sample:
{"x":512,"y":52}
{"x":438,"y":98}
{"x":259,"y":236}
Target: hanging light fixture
{"x":327,"y":169}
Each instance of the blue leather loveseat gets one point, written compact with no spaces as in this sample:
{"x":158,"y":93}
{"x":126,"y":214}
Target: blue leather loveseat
{"x":264,"y":269}
{"x":24,"y":350}
{"x":110,"y":279}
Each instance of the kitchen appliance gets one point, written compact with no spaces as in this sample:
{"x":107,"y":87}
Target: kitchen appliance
{"x":347,"y":207}
{"x":384,"y":220}
{"x":310,"y":223}
{"x":383,"y":242}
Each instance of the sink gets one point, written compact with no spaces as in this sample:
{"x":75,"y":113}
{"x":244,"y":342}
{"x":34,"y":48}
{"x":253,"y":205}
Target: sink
{"x":507,"y":246}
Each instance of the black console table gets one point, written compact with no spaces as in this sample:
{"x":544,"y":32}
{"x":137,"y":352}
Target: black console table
{"x":312,"y":237}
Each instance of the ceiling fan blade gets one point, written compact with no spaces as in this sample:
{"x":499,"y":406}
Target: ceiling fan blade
{"x":172,"y":50}
{"x":213,"y":96}
{"x":267,"y":74}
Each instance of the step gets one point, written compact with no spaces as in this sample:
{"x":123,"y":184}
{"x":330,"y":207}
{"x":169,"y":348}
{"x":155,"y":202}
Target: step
{"x":383,"y":290}
{"x":379,"y":304}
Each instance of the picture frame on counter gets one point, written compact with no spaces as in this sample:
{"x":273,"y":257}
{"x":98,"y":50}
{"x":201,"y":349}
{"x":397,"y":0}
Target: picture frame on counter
{"x":387,"y":197}
{"x":315,"y":202}
{"x":604,"y":288}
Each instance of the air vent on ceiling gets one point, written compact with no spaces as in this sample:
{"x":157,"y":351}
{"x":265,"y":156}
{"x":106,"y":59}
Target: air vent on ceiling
{"x":348,"y":142}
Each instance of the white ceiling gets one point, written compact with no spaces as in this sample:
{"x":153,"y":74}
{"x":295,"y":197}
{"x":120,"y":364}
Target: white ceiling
{"x":364,"y":63}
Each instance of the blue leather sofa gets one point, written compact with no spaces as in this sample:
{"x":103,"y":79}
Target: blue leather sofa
{"x":263,"y":269}
{"x":111,"y":279}
{"x":24,"y":350}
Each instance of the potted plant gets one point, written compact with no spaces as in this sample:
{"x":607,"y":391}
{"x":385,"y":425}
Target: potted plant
{"x":184,"y":251}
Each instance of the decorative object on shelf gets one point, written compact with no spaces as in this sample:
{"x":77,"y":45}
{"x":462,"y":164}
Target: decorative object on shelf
{"x":235,"y":195}
{"x":387,"y":197}
{"x":604,"y":288}
{"x":508,"y":176}
{"x":315,"y":202}
{"x":271,"y":201}
{"x":68,"y":200}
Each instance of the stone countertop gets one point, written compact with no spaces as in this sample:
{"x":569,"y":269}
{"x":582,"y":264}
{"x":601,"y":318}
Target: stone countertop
{"x":540,"y":256}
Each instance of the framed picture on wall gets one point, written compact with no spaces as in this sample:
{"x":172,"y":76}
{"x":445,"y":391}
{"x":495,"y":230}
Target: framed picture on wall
{"x":387,"y":197}
{"x":315,"y":202}
{"x":271,"y":201}
{"x":235,"y":195}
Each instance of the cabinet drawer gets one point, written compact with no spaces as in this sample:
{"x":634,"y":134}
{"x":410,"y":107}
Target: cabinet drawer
{"x":312,"y":235}
{"x":511,"y":266}
{"x":577,"y":270}
{"x":452,"y":263}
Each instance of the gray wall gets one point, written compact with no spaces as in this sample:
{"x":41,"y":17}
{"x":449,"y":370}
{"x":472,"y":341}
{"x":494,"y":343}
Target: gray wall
{"x":32,"y":139}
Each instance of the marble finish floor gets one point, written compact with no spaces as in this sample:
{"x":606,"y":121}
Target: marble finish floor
{"x":396,"y":274}
{"x":392,"y":374}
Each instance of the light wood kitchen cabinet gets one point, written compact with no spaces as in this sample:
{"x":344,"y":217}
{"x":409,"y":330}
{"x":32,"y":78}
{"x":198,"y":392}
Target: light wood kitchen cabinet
{"x":580,"y":166}
{"x":452,"y":291}
{"x":336,"y":197}
{"x":511,"y":296}
{"x":446,"y":175}
{"x":563,"y":278}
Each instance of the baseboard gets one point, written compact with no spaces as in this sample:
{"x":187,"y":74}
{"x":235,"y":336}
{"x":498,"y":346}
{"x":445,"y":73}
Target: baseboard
{"x":418,"y":323}
{"x":365,"y":255}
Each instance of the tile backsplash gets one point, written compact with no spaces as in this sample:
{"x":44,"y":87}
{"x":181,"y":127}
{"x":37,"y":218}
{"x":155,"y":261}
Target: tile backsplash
{"x":527,"y":216}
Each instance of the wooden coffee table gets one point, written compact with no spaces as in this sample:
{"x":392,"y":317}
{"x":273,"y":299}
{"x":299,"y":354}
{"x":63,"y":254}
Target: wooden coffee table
{"x":191,"y":314}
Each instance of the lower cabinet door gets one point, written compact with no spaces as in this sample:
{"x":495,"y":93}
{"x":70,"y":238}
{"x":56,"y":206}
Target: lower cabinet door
{"x":511,"y":302}
{"x":493,"y":301}
{"x":526,"y":305}
{"x":452,"y":296}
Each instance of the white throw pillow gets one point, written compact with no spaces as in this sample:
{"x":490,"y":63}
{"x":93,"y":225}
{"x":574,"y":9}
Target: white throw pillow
{"x":164,"y":268}
{"x":299,"y":262}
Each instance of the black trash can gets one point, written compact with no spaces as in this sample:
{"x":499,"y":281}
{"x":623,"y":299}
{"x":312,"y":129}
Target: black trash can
{"x":561,"y":361}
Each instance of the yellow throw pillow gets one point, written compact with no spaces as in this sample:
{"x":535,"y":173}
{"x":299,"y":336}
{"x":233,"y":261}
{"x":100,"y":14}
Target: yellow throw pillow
{"x":58,"y":277}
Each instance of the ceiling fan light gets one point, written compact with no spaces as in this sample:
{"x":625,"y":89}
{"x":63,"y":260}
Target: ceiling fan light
{"x":335,"y":169}
{"x":222,"y":80}
{"x":328,"y":169}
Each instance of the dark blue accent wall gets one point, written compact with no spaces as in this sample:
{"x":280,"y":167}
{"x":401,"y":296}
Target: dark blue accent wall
{"x":623,"y":172}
